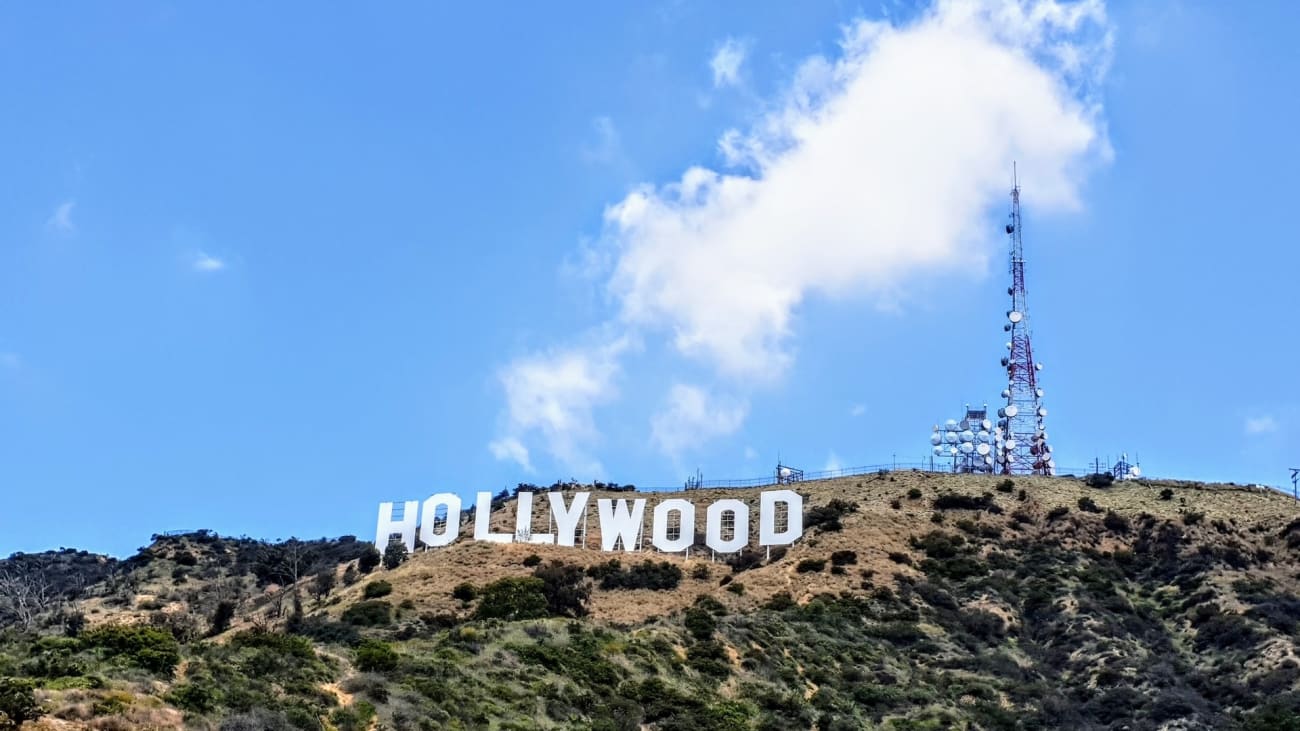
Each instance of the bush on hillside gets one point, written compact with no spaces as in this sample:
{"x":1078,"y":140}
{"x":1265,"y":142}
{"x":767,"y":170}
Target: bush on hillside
{"x":1087,"y":505}
{"x":377,"y":589}
{"x":660,"y":576}
{"x":810,"y":565}
{"x":953,"y":501}
{"x":513,"y":598}
{"x":376,"y":656}
{"x":565,"y":588}
{"x":369,"y":559}
{"x":150,"y":648}
{"x":17,"y":702}
{"x":464,"y":591}
{"x":827,"y":517}
{"x":369,"y":613}
{"x":394,"y":555}
{"x":1099,"y":480}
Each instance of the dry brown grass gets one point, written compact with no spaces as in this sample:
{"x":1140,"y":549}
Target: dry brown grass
{"x":873,"y":532}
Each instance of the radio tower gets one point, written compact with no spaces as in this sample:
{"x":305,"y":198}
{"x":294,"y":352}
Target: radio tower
{"x":1022,"y":447}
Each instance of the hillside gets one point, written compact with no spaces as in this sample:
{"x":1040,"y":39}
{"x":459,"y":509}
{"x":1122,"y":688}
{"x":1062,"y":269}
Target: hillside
{"x":913,"y":601}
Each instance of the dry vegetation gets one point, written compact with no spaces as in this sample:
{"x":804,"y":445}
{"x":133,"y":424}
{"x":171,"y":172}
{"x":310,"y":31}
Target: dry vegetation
{"x":914,"y":600}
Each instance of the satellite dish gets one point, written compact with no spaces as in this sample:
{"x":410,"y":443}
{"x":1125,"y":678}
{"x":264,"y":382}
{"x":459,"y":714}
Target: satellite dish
{"x":1006,"y":393}
{"x":1011,"y":410}
{"x":1051,"y":464}
{"x":1047,"y":449}
{"x":1135,"y":471}
{"x":952,"y":451}
{"x":1038,"y":392}
{"x":1004,"y":361}
{"x":1038,"y":366}
{"x":967,"y":447}
{"x":986,"y":424}
{"x":1015,"y":316}
{"x":950,"y":424}
{"x":785,"y":472}
{"x":983,"y":437}
{"x":1006,"y":328}
{"x":1011,"y":228}
{"x":950,"y":437}
{"x":936,"y":438}
{"x":988,"y":460}
{"x":964,"y":425}
{"x":1008,"y":346}
{"x":1011,"y":445}
{"x":1042,"y":411}
{"x":983,"y":449}
{"x":968,"y":436}
{"x":938,"y":451}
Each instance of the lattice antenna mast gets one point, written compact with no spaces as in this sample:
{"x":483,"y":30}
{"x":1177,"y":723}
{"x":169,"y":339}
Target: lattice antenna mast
{"x":1022,"y":447}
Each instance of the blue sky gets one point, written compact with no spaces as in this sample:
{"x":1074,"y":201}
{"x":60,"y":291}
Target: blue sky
{"x":262,"y":268}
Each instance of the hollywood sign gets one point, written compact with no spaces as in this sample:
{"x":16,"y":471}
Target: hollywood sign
{"x":621,"y":521}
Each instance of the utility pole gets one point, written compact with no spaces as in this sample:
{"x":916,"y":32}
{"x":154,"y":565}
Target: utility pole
{"x":1295,"y":483}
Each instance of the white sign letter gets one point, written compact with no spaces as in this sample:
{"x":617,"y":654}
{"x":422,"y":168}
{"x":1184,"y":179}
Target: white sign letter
{"x":616,"y":521}
{"x":685,"y":526}
{"x":740,"y":525}
{"x":429,"y":516}
{"x":767,"y":533}
{"x":566,"y":521}
{"x":406,"y":526}
{"x":524,"y":521}
{"x":483,"y":521}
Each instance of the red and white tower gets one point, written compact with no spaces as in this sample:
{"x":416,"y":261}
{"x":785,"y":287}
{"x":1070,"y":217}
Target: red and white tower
{"x":1021,"y":441}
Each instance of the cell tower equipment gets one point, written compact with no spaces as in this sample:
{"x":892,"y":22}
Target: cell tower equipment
{"x":968,"y":443}
{"x":1020,"y":438}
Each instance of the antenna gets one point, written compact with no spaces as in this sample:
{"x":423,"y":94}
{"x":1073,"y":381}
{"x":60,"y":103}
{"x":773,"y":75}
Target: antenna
{"x":1022,"y":448}
{"x":1295,"y":483}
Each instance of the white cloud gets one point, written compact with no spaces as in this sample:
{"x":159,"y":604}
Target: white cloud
{"x":857,"y":410}
{"x":551,"y":396}
{"x":61,"y":219}
{"x":726,"y":62}
{"x":510,"y":449}
{"x":691,"y":417}
{"x":876,"y":166}
{"x":207,"y":263}
{"x":1261,"y":425}
{"x":888,"y":162}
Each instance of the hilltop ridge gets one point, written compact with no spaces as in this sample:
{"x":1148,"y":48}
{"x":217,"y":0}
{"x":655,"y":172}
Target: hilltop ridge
{"x":913,"y":600}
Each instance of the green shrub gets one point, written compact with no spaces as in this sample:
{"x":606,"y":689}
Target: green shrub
{"x":17,"y":702}
{"x":700,"y":572}
{"x":513,"y":598}
{"x":369,"y":559}
{"x":394,"y":555}
{"x":532,"y":560}
{"x":914,"y":494}
{"x":660,"y":576}
{"x":810,"y":565}
{"x":1192,"y":518}
{"x":700,"y":623}
{"x":565,"y":588}
{"x":1006,"y":486}
{"x":1058,"y":512}
{"x":1166,"y":494}
{"x":1099,"y":480}
{"x":1116,"y":522}
{"x":900,"y":557}
{"x":369,"y":613}
{"x":377,"y":589}
{"x":194,"y":697}
{"x":464,"y":591}
{"x":1087,"y":505}
{"x":737,"y":588}
{"x":151,"y":648}
{"x":376,"y":656}
{"x":827,"y":517}
{"x":844,"y":558}
{"x":952,"y":501}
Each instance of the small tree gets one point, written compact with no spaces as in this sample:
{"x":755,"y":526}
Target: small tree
{"x":394,"y":555}
{"x":17,"y":703}
{"x":221,"y":618}
{"x":369,"y":560}
{"x":323,"y":584}
{"x":350,"y":575}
